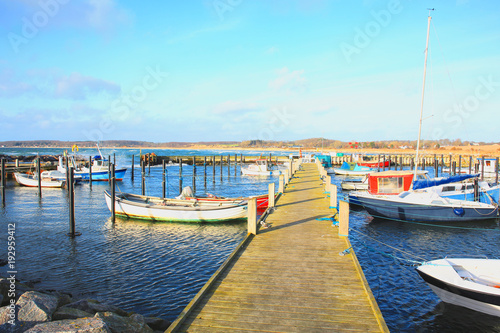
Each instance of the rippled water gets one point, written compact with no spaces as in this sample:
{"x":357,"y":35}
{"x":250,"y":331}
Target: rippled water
{"x":156,"y":268}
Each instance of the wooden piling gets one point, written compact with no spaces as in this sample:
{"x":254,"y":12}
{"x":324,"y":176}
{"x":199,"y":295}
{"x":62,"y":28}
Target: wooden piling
{"x":343,"y":218}
{"x":221,"y":162}
{"x":90,"y":172}
{"x":252,"y":216}
{"x":194,"y":174}
{"x":39,"y":175}
{"x":164,"y":179}
{"x":271,"y":195}
{"x":180,"y":175}
{"x":132,"y":170}
{"x":2,"y":181}
{"x":113,"y":192}
{"x":143,"y":177}
{"x":281,"y":186}
{"x":333,"y":196}
{"x":109,"y":169}
{"x":496,"y":170}
{"x":71,"y":192}
{"x":213,"y":169}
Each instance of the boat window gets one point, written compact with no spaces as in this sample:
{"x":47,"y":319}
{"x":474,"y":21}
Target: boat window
{"x":390,"y":185}
{"x":448,"y":188}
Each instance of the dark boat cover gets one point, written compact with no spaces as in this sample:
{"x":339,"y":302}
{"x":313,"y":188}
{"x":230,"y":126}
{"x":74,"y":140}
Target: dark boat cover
{"x":423,"y":183}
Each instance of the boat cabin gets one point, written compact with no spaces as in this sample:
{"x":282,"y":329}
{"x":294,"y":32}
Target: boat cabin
{"x":389,"y":182}
{"x":326,"y":160}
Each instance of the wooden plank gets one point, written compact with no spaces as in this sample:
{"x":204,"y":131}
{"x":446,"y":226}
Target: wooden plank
{"x":289,"y":277}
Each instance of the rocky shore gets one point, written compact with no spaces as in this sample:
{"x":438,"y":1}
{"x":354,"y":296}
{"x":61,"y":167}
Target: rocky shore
{"x":24,"y":309}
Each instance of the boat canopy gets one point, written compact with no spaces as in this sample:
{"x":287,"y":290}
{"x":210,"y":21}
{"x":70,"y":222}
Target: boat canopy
{"x":389,"y":182}
{"x":423,"y":183}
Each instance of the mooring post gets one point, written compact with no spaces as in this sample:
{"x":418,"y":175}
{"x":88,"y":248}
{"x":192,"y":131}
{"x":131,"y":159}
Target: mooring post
{"x":252,"y":216}
{"x":2,"y":181}
{"x":287,"y":177}
{"x":39,"y":175}
{"x":333,"y":196}
{"x":281,"y":184}
{"x":459,"y":164}
{"x":67,"y":169}
{"x":228,"y":166}
{"x":90,"y":172}
{"x":164,"y":180}
{"x":113,"y":192}
{"x":71,"y":193}
{"x":109,"y":169}
{"x":213,"y":169}
{"x":221,"y":163}
{"x":194,"y":174}
{"x":496,"y":170}
{"x":454,"y":168}
{"x":451,"y":161}
{"x":482,"y":167}
{"x":235,"y":164}
{"x":149,"y":163}
{"x":132,"y":171}
{"x":180,"y":175}
{"x":435,"y":167}
{"x":343,"y":218}
{"x":470,"y":165}
{"x":271,"y":195}
{"x":143,"y":177}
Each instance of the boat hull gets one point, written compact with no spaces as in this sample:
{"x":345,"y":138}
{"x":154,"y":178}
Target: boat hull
{"x":27,"y":180}
{"x":183,"y":211}
{"x":375,"y":164}
{"x":421,"y":212}
{"x":454,"y":289}
{"x":101,"y":175}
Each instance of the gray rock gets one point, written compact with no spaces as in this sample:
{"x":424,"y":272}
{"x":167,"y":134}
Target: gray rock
{"x":87,"y":325}
{"x":7,"y":313}
{"x":93,"y":306}
{"x":70,"y":313}
{"x":119,"y":324}
{"x":156,"y":323}
{"x":36,"y":307}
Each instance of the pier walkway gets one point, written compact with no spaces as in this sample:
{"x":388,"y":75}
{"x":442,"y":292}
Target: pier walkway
{"x":290,"y":277}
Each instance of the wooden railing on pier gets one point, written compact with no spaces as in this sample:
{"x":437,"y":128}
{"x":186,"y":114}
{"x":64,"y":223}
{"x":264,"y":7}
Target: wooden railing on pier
{"x":290,"y":276}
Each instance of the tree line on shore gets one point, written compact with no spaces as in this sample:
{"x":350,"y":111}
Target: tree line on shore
{"x":305,"y":143}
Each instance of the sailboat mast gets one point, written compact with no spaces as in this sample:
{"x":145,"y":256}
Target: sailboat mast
{"x":423,"y":90}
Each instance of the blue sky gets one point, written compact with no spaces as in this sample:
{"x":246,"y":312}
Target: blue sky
{"x":209,"y":70}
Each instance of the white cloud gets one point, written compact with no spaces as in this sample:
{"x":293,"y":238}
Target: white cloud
{"x":289,"y":80}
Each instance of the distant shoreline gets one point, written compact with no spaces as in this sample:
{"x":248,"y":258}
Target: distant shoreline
{"x":486,"y":150}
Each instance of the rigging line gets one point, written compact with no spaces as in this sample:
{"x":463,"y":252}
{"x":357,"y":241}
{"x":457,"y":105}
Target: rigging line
{"x":449,"y":78}
{"x":390,"y":246}
{"x":429,"y":224}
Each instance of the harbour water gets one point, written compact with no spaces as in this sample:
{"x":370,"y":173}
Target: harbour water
{"x":156,"y":268}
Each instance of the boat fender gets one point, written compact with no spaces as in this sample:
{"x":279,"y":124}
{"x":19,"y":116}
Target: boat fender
{"x":459,"y":211}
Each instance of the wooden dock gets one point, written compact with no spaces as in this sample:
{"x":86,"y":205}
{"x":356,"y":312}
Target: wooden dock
{"x":289,"y":277}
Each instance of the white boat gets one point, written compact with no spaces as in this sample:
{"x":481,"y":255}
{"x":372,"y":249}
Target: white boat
{"x":261,"y":167}
{"x":468,"y":282}
{"x":352,"y":169}
{"x":159,"y":209}
{"x":32,"y":180}
{"x":99,"y":168}
{"x":423,"y":206}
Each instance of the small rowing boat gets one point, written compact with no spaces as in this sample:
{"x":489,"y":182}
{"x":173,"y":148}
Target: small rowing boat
{"x":175,"y":210}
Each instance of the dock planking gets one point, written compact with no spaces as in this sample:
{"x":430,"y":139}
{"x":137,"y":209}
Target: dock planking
{"x":290,"y":277}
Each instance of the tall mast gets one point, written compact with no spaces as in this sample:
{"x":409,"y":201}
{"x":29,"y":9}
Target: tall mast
{"x":423,"y":90}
